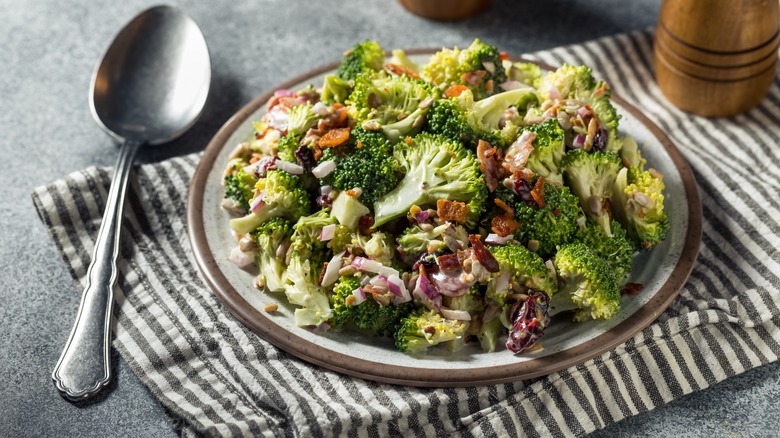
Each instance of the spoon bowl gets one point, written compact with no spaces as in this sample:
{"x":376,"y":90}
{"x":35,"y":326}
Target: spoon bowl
{"x":149,"y":88}
{"x":154,"y":79}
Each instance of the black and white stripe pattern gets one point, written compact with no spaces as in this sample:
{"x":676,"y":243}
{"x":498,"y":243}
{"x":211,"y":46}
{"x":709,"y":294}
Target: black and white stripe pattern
{"x":221,"y":379}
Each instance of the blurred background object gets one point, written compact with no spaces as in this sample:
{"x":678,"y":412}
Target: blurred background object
{"x":445,"y":9}
{"x":716,"y":58}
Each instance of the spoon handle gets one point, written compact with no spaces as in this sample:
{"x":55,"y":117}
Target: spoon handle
{"x":84,"y":366}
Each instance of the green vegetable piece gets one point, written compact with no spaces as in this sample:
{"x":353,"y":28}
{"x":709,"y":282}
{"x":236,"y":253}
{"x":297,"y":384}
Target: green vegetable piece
{"x":588,"y":283}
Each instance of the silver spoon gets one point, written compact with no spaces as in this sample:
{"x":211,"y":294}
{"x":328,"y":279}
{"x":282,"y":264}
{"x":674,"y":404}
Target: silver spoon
{"x":149,"y":88}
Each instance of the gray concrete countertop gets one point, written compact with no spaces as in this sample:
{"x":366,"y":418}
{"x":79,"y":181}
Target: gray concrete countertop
{"x":48,"y":50}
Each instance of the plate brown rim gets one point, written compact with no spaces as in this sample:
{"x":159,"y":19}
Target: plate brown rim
{"x":402,"y":375}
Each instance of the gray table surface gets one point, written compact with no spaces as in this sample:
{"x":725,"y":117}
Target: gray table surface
{"x":48,"y":50}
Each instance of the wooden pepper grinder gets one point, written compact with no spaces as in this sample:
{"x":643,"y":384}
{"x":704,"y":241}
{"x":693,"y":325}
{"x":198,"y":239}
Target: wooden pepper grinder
{"x":716,"y":57}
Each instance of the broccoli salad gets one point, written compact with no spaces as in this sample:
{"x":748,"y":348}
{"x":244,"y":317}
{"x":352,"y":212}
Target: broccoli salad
{"x":461,"y":201}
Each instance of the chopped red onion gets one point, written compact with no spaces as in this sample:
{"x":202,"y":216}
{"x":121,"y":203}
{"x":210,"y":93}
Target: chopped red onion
{"x":320,"y":109}
{"x":257,"y":202}
{"x":284,"y":93}
{"x":379,"y":280}
{"x":458,"y":315}
{"x":324,"y":169}
{"x":328,"y":232}
{"x":495,"y":239}
{"x":277,"y":118}
{"x":555,"y":94}
{"x":421,"y":216}
{"x":332,"y":271}
{"x":366,"y":265}
{"x":583,"y":112}
{"x":365,"y":280}
{"x":388,"y":271}
{"x":326,"y":190}
{"x":240,"y":258}
{"x":427,"y":292}
{"x":394,"y":282}
{"x":359,"y":295}
{"x":450,"y":284}
{"x":489,"y":66}
{"x":290,"y":168}
{"x":579,"y":141}
{"x":502,"y":282}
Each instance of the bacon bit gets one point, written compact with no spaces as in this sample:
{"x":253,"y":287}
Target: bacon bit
{"x":503,"y":55}
{"x":519,"y":151}
{"x":502,"y":205}
{"x":483,"y":256}
{"x":400,"y":70}
{"x":473,"y":78}
{"x":538,"y":192}
{"x":322,"y":124}
{"x":408,"y":140}
{"x":556,"y":212}
{"x":430,"y":330}
{"x":334,"y":137}
{"x":337,"y":106}
{"x":490,"y":159}
{"x":489,"y":86}
{"x":604,"y":87}
{"x":632,"y":288}
{"x":255,"y":159}
{"x":365,"y":223}
{"x":322,"y":272}
{"x":646,"y":244}
{"x":340,"y":118}
{"x":448,"y":262}
{"x":455,"y":90}
{"x":452,"y":210}
{"x":504,"y":224}
{"x":316,"y":152}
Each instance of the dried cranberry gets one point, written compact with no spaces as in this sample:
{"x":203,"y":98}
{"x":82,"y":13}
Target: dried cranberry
{"x":600,"y":140}
{"x":323,"y":201}
{"x":522,"y":187}
{"x":529,"y":319}
{"x":305,"y":156}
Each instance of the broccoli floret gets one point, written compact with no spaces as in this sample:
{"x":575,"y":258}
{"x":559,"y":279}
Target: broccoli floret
{"x":286,"y":147}
{"x":240,"y":187}
{"x":379,"y":319}
{"x":334,"y":90}
{"x":435,"y":168}
{"x":489,"y":333}
{"x":270,"y":237}
{"x":550,"y":225}
{"x":378,"y":245}
{"x":365,"y":163}
{"x":630,"y":154}
{"x":548,"y":150}
{"x":468,"y":121}
{"x":422,"y":329}
{"x":300,"y":118}
{"x":391,"y":102}
{"x":591,"y":177}
{"x":364,"y":57}
{"x":525,"y":72}
{"x":588,"y":283}
{"x":415,"y":241}
{"x":479,"y":67}
{"x":526,"y":268}
{"x":638,"y":203}
{"x":577,"y":83}
{"x":306,"y":241}
{"x":617,"y":250}
{"x":342,"y":290}
{"x":301,"y":286}
{"x":283,"y":196}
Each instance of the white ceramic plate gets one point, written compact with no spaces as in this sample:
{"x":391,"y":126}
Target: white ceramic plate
{"x":662,"y":271}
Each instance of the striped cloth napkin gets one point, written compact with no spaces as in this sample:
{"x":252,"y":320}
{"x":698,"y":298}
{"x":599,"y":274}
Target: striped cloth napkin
{"x":218,"y":378}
